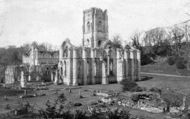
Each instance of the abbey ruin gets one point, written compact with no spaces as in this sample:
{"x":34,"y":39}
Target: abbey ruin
{"x":98,"y":61}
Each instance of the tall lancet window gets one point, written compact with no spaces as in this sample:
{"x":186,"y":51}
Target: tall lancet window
{"x":65,"y":68}
{"x":88,"y":26}
{"x":87,"y":68}
{"x":94,"y":68}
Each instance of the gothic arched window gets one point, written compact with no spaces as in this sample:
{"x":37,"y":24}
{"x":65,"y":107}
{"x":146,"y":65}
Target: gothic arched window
{"x":99,"y":43}
{"x":100,"y":23}
{"x":100,"y":26}
{"x":88,"y":41}
{"x":88,"y":26}
{"x":65,"y":64}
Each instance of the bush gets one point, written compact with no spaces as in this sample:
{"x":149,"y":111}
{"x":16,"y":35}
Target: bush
{"x":147,"y":55}
{"x":55,"y":111}
{"x":181,"y":63}
{"x":52,"y":111}
{"x":23,"y":108}
{"x":80,"y":115}
{"x":128,"y":85}
{"x":172,"y":99}
{"x":171,"y":60}
{"x":157,"y":90}
{"x":118,"y":114}
{"x":146,"y":59}
{"x":137,"y":89}
{"x":135,"y":98}
{"x":62,"y":98}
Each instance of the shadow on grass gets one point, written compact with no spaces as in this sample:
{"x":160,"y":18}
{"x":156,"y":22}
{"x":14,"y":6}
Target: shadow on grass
{"x":145,"y":78}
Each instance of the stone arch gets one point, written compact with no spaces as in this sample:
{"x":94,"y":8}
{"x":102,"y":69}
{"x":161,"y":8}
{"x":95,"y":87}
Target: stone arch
{"x":99,"y":43}
{"x":107,"y":44}
{"x":66,"y":45}
{"x":88,"y":41}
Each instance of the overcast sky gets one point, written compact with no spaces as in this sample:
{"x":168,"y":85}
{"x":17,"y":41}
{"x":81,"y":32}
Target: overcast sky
{"x":24,"y":21}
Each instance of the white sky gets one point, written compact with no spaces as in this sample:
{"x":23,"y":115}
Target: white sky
{"x":51,"y":21}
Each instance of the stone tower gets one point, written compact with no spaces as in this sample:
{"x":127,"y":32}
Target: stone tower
{"x":95,"y":27}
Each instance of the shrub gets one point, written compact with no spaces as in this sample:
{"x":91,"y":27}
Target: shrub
{"x":80,"y":115}
{"x":181,"y":63}
{"x":118,"y":114}
{"x":62,"y":98}
{"x":157,"y":90}
{"x":172,"y":99}
{"x":128,"y":85}
{"x":171,"y":60}
{"x":135,"y":98}
{"x":23,"y":108}
{"x":137,"y":89}
{"x":54,"y":111}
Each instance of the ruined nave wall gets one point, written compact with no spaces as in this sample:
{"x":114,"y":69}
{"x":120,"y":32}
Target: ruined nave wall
{"x":82,"y":66}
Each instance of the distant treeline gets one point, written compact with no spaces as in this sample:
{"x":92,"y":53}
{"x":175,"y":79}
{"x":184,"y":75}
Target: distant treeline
{"x":11,"y":55}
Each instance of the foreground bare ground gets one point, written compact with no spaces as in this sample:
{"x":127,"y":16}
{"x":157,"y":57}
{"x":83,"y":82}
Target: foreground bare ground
{"x":180,"y":84}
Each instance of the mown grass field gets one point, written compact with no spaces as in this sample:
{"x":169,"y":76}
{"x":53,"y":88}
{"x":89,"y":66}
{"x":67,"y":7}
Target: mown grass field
{"x":163,"y":67}
{"x":179,"y":84}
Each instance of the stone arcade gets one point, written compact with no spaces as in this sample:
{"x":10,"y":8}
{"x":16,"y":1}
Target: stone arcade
{"x":97,"y":61}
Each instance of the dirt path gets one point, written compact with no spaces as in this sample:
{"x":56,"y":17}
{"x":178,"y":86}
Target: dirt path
{"x":168,"y":75}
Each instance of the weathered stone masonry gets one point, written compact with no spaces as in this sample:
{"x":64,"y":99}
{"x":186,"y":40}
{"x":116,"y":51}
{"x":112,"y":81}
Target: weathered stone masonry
{"x":82,"y":66}
{"x":97,"y":61}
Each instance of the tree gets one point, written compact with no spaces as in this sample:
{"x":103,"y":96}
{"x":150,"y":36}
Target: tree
{"x":154,"y":36}
{"x":45,"y":47}
{"x":181,"y":49}
{"x":34,"y":44}
{"x":176,"y":36}
{"x":117,"y":41}
{"x":135,"y":40}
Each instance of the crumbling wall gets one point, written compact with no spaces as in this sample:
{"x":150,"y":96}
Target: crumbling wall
{"x":94,"y":66}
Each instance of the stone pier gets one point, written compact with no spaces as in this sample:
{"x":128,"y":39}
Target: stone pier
{"x":74,"y":68}
{"x":22,"y":80}
{"x":119,"y":59}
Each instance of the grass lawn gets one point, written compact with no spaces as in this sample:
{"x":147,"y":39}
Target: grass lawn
{"x":163,"y":67}
{"x":176,"y":83}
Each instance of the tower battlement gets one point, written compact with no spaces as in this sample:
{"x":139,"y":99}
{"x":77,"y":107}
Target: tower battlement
{"x":99,"y":10}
